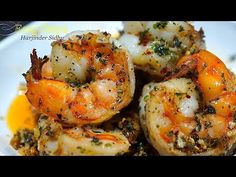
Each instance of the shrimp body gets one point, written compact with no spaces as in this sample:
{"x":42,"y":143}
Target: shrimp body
{"x":213,"y":79}
{"x":192,"y":116}
{"x":87,"y":80}
{"x":54,"y":140}
{"x":156,"y":47}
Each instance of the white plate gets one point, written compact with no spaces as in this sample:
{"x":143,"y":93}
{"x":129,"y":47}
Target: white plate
{"x":14,"y":56}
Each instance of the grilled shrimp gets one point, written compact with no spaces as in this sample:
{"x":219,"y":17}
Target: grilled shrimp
{"x":88,"y":79}
{"x":193,"y":112}
{"x":155,"y":47}
{"x":56,"y":140}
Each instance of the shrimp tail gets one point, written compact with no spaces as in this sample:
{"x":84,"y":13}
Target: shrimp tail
{"x":187,"y":67}
{"x":36,"y":66}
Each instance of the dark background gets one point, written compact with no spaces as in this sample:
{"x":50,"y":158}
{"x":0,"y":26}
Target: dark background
{"x":7,"y":28}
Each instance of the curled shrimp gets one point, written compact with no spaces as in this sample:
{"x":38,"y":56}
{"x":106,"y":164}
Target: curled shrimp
{"x":87,"y":80}
{"x":214,"y":80}
{"x":55,"y":140}
{"x":193,"y":111}
{"x":156,"y":46}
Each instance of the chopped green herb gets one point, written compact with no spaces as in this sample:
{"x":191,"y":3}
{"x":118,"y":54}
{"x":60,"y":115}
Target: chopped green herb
{"x":156,"y":88}
{"x":108,"y":145}
{"x":128,"y":125}
{"x":1,"y":117}
{"x":173,"y":57}
{"x":96,"y":141}
{"x":144,"y":33}
{"x":160,"y":49}
{"x":120,"y":91}
{"x":162,"y":41}
{"x":49,"y":133}
{"x":181,"y":28}
{"x":64,"y":46}
{"x":179,"y":94}
{"x":114,"y":47}
{"x":208,"y":125}
{"x":211,"y":142}
{"x":144,"y":37}
{"x":177,"y":43}
{"x":170,"y":133}
{"x":199,"y":126}
{"x":68,"y":80}
{"x":209,"y":110}
{"x":160,"y":25}
{"x":146,"y":98}
{"x":103,"y":61}
{"x":98,"y":55}
{"x":72,"y":83}
{"x":192,"y":50}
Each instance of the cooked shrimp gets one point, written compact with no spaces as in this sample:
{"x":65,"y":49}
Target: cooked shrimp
{"x":155,"y":47}
{"x":87,"y":80}
{"x":194,"y":116}
{"x":54,"y":140}
{"x":214,"y":80}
